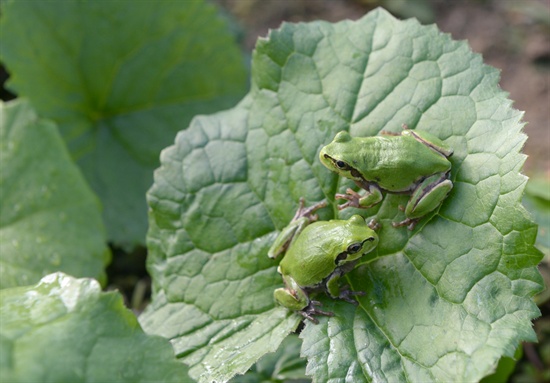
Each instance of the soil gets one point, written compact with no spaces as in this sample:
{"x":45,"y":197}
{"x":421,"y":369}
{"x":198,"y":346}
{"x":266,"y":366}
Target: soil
{"x":512,"y":35}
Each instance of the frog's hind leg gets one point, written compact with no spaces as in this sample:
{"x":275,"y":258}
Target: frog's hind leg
{"x":425,"y":198}
{"x":302,"y":218}
{"x":292,"y":296}
{"x":291,"y":299}
{"x":432,"y":142}
{"x":297,"y":300}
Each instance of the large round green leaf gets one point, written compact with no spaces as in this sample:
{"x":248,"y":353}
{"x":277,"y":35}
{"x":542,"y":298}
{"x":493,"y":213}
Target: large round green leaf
{"x":121,"y":78}
{"x":66,"y":330}
{"x":50,"y":220}
{"x":443,"y":303}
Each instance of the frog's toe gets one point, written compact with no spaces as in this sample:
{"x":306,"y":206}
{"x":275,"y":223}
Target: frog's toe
{"x":345,"y":205}
{"x":353,"y":200}
{"x":346,"y":295}
{"x":310,"y":310}
{"x":343,"y":196}
{"x":410,"y":223}
{"x":308,"y":212}
{"x":307,"y":315}
{"x":374,"y":224}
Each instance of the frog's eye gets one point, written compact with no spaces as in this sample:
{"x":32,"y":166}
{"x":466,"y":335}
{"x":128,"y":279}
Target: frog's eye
{"x":341,"y":165}
{"x":354,"y":248}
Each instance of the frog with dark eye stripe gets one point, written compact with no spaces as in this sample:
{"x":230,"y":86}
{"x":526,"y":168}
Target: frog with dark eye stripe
{"x":316,"y":255}
{"x":412,"y":162}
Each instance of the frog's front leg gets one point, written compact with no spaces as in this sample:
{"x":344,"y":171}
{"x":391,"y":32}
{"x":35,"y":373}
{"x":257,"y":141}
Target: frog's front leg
{"x":427,"y":196}
{"x":308,"y":212}
{"x":293,"y":297}
{"x":371,"y":197}
{"x":332,"y":286}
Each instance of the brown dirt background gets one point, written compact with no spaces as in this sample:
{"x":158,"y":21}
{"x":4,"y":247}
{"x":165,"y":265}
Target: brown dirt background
{"x":512,"y":35}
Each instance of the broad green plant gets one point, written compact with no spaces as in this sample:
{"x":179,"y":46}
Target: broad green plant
{"x":116,"y":79}
{"x":50,"y":220}
{"x":443,"y":302}
{"x":120,"y":78}
{"x":65,"y":329}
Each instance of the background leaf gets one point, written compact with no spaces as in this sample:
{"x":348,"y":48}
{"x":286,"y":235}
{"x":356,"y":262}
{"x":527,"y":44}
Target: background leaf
{"x":66,"y":330}
{"x":120,"y":78}
{"x":50,"y":220}
{"x":443,"y":303}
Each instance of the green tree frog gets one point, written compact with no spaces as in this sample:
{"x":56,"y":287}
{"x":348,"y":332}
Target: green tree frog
{"x":412,"y":162}
{"x":316,"y":255}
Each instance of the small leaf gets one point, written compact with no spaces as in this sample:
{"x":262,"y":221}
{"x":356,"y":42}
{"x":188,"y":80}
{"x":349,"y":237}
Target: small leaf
{"x":120,"y":78}
{"x":50,"y":220}
{"x":443,"y":302}
{"x":66,"y":330}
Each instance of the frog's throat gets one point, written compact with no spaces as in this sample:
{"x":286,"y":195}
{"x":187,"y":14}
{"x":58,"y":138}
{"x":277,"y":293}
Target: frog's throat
{"x":363,"y":184}
{"x":357,"y":177}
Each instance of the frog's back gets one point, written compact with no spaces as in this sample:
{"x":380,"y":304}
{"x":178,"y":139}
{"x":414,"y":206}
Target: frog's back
{"x":311,"y":258}
{"x":395,"y":163}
